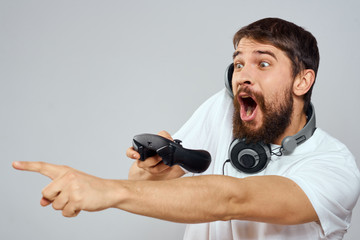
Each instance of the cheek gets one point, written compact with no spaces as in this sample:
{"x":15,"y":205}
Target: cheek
{"x":278,"y":97}
{"x":276,"y":86}
{"x":234,"y":84}
{"x":233,"y":88}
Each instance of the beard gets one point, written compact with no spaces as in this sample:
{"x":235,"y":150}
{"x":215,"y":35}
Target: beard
{"x":276,"y":118}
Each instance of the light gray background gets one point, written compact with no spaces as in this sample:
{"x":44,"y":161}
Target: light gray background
{"x":78,"y":79}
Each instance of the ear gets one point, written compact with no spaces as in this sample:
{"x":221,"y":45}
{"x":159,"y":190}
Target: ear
{"x":303,"y":82}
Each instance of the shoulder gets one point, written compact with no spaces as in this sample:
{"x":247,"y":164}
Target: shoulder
{"x":326,"y":154}
{"x":322,"y":143}
{"x":327,"y":172}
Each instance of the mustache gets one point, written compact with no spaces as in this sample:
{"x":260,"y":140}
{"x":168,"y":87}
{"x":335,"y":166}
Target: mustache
{"x":244,"y":89}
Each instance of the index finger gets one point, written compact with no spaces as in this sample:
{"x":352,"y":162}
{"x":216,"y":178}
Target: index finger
{"x":132,"y":153}
{"x":47,"y":169}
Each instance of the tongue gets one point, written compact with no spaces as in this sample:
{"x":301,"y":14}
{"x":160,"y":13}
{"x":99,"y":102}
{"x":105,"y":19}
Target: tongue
{"x":248,"y":113}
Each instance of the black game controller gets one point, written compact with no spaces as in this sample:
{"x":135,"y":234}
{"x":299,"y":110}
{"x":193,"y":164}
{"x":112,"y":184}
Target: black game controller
{"x":171,"y":152}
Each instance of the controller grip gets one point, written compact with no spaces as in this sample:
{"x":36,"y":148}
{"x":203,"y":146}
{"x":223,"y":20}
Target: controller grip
{"x":196,"y":161}
{"x":171,"y":152}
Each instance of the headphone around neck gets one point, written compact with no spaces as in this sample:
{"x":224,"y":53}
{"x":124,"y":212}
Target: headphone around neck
{"x":254,"y":157}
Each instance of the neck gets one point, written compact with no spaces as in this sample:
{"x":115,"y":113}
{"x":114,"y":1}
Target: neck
{"x":298,"y":121}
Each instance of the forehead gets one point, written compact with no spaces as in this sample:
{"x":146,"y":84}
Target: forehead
{"x":248,"y":46}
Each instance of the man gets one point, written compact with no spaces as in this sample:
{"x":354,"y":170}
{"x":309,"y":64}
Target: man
{"x":306,"y":194}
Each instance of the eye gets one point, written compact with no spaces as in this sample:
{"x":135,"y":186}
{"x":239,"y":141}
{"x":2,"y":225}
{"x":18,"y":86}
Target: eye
{"x":239,"y":65}
{"x":264,"y":64}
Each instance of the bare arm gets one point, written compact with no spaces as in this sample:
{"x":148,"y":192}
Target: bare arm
{"x":271,"y":199}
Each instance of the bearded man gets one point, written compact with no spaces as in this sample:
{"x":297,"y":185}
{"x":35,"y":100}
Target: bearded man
{"x":306,"y":191}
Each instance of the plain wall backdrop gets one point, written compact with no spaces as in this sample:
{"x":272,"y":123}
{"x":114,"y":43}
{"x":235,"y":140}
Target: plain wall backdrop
{"x":78,"y":79}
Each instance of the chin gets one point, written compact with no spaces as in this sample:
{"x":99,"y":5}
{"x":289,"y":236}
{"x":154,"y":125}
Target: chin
{"x":253,"y":125}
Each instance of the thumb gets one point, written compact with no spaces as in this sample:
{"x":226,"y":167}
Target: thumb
{"x":165,"y":134}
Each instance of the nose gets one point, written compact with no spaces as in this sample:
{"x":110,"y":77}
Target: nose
{"x":242,"y":77}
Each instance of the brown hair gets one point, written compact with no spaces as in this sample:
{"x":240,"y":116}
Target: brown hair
{"x":298,"y":44}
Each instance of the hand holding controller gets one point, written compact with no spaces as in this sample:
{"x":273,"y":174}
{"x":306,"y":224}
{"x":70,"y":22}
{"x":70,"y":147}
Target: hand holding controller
{"x":171,"y":152}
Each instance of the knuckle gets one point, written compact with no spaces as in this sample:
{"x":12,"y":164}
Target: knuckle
{"x":70,"y":211}
{"x":56,"y":206}
{"x":71,"y":175}
{"x":66,"y":213}
{"x":77,"y":198}
{"x":44,"y":192}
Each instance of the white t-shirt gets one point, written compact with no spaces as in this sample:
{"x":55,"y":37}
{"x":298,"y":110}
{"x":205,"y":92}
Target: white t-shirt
{"x":322,"y":166}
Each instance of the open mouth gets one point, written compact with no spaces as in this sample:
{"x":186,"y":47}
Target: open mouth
{"x":248,"y":107}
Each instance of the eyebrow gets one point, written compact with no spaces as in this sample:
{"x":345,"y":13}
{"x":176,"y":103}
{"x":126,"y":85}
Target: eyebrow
{"x":267,"y":53}
{"x":236,"y":53}
{"x":258,"y":52}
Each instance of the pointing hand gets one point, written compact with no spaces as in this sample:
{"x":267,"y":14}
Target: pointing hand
{"x":71,"y":190}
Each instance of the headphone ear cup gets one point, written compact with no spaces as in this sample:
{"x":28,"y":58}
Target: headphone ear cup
{"x":228,"y":79}
{"x":249,"y":157}
{"x":289,"y":144}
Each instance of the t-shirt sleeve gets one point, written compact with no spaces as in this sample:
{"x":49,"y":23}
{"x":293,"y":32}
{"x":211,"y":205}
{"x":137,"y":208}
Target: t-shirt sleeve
{"x":332,"y":185}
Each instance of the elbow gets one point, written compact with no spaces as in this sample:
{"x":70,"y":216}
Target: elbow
{"x":235,"y":209}
{"x":234,"y":205}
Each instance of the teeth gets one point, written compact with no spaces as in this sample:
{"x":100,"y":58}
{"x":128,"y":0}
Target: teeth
{"x":245,"y":96}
